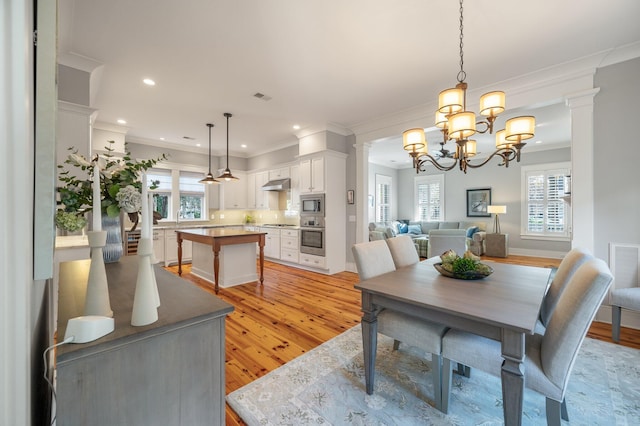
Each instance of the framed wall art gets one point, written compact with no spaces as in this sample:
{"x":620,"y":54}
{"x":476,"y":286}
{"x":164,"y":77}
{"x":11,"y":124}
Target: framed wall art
{"x":478,"y":201}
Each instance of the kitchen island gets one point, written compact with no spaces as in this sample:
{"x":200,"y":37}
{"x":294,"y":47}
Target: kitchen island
{"x":236,"y":248}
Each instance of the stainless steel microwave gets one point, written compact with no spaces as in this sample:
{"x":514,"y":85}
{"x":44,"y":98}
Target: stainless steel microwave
{"x":312,"y":204}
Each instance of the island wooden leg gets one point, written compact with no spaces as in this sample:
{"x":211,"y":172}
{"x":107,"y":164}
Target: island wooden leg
{"x":179,"y":239}
{"x":216,"y":265}
{"x":261,"y":245}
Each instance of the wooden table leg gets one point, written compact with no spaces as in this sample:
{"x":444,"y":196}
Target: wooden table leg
{"x":179,"y":239}
{"x":369,"y":341}
{"x":261,"y":245}
{"x":512,"y":376}
{"x":216,"y":265}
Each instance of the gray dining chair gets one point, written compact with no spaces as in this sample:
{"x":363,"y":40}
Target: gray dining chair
{"x":569,"y":265}
{"x":374,"y":258}
{"x":628,"y":298}
{"x":403,"y":251}
{"x":549,"y":357}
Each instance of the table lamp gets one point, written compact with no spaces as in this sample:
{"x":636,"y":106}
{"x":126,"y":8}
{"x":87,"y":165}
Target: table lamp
{"x":497,"y":210}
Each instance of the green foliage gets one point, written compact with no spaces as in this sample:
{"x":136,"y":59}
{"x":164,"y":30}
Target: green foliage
{"x":76,"y":194}
{"x":462,"y":264}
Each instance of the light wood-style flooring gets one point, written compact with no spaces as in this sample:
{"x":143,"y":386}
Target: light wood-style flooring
{"x":297,"y":310}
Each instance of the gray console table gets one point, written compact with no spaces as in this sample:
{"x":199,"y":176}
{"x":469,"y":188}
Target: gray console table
{"x":168,"y":372}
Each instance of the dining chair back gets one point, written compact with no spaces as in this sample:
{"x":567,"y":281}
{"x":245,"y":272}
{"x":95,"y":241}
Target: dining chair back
{"x":549,"y":357}
{"x":403,"y":250}
{"x":569,"y":265}
{"x":372,"y":258}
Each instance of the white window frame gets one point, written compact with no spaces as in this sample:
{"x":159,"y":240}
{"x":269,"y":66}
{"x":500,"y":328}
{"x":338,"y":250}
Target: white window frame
{"x":388,"y":181}
{"x":175,"y":169}
{"x":428,"y":180}
{"x":546,"y":169}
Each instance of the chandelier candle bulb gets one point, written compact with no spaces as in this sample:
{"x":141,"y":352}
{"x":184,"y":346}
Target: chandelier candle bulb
{"x":501,"y":142}
{"x":451,"y":101}
{"x":471,"y":148}
{"x":462,"y":125}
{"x":97,"y":212}
{"x":441,"y":120}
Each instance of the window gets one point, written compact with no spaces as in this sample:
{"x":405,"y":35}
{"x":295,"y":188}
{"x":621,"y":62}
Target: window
{"x":383,"y":198}
{"x":192,"y":200}
{"x":429,"y":198}
{"x":179,"y":194}
{"x":545,"y":214}
{"x":161,"y":194}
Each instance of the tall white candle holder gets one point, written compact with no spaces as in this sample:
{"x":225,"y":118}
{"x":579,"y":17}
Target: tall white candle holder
{"x":97,"y":298}
{"x":145,"y":306}
{"x":153,"y":261}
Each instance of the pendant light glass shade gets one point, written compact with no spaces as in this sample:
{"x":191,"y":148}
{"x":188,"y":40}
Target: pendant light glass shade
{"x":226,"y":174}
{"x":208,"y":178}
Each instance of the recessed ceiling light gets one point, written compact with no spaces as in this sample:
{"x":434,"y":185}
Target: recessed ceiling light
{"x":538,"y":141}
{"x":197,"y":144}
{"x":243,"y":146}
{"x":149,"y":82}
{"x":121,"y":121}
{"x":296,"y":127}
{"x":161,"y":139}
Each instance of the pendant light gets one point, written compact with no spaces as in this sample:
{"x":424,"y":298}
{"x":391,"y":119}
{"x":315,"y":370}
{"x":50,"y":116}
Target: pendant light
{"x":226,"y":175}
{"x":209,"y":179}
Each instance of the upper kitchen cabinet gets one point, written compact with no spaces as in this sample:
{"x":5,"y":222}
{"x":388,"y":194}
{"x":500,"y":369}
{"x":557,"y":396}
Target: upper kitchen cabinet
{"x":281,"y":173}
{"x":233,"y":194}
{"x":312,"y":175}
{"x":294,"y":194}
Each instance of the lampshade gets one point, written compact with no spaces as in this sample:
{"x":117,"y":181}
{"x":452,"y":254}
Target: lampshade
{"x":501,"y":142}
{"x":462,"y":125}
{"x":413,"y":139}
{"x":470,"y":148}
{"x":497,"y":209}
{"x":492,"y":103}
{"x":441,"y":120}
{"x":451,"y":101}
{"x":520,"y":128}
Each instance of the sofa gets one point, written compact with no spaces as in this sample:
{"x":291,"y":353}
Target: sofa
{"x":474,"y":236}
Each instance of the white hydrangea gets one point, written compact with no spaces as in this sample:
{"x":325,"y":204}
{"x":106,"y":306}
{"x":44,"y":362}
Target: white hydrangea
{"x":129,"y":199}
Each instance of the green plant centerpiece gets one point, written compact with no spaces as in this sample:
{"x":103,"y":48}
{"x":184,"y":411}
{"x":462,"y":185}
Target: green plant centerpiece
{"x":120,"y":186}
{"x":467,"y":267}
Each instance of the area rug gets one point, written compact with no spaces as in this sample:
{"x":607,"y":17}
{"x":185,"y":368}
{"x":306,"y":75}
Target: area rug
{"x":326,"y":387}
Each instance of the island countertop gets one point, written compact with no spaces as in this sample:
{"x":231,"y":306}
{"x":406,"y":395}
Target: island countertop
{"x":217,"y":238}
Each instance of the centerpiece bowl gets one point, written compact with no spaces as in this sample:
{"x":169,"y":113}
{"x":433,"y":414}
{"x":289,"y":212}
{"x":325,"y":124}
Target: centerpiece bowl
{"x":466,"y":275}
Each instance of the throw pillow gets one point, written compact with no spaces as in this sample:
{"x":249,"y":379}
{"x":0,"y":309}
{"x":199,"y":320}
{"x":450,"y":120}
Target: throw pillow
{"x":471,"y":230}
{"x":403,"y":228}
{"x":415,"y":229}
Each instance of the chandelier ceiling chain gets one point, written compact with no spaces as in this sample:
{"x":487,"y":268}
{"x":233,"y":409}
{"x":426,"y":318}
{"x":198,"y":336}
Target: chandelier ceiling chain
{"x":457,"y":124}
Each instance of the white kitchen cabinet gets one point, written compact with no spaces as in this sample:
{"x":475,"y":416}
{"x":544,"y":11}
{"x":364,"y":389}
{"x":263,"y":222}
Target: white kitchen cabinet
{"x":294,"y":193}
{"x":158,"y":244}
{"x":271,"y":242}
{"x":313,"y":261}
{"x":289,"y":245}
{"x":251,"y":191}
{"x":233,"y":194}
{"x":280,"y":173}
{"x":262,"y":201}
{"x":312,"y":175}
{"x":171,"y":248}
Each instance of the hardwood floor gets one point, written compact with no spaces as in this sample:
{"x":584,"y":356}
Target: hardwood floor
{"x":297,"y":310}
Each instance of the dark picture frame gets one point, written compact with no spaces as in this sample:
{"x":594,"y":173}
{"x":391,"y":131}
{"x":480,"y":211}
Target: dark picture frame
{"x":478,"y":201}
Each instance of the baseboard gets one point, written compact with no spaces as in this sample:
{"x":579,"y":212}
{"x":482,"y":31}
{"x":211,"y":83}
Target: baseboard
{"x":630,"y":319}
{"x":351,"y":267}
{"x":537,"y":253}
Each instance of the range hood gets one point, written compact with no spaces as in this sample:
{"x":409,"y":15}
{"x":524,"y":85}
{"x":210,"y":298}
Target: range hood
{"x":277,"y":185}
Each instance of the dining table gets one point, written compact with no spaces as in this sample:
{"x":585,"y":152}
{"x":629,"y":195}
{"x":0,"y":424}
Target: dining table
{"x":503,"y":306}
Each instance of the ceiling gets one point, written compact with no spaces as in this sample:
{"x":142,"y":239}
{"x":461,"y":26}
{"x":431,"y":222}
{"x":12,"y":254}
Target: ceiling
{"x":320,"y":63}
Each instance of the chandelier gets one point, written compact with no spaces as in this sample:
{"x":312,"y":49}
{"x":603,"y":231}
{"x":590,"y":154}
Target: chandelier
{"x":457,"y":124}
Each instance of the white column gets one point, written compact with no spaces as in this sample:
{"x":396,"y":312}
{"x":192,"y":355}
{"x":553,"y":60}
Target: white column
{"x":362,"y":192}
{"x":582,"y":168}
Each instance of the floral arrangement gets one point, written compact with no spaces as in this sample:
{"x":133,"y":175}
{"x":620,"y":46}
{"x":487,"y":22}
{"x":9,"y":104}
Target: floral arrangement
{"x":120,"y":186}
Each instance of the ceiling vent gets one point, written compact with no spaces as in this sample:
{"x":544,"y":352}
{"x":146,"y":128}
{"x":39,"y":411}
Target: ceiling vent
{"x":262,"y":96}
